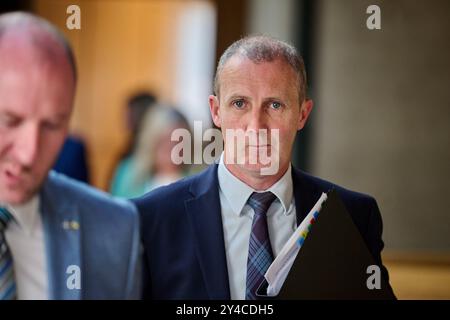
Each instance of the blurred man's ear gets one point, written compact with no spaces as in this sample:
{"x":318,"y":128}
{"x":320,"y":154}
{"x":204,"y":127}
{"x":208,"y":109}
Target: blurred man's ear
{"x":214,"y":109}
{"x":305,"y":111}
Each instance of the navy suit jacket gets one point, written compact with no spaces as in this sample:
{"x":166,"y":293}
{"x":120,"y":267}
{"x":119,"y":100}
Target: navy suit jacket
{"x":184,"y":251}
{"x":72,"y":160}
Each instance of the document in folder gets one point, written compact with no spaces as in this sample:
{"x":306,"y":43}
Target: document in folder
{"x":332,"y":262}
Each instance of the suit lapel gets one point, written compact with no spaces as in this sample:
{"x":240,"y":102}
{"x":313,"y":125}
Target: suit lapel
{"x":306,"y":194}
{"x":205,"y":215}
{"x":61,"y":223}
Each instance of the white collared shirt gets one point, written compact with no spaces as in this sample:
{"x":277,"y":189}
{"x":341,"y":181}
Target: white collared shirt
{"x":25,"y":238}
{"x":237,"y":218}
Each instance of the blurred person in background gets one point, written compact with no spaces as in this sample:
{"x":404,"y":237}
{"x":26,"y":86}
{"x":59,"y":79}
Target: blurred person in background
{"x":137,"y":105}
{"x":59,"y":238}
{"x":150,"y":165}
{"x":73,"y":159}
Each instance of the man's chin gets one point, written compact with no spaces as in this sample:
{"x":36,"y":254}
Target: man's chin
{"x":15,"y":197}
{"x":259,"y":169}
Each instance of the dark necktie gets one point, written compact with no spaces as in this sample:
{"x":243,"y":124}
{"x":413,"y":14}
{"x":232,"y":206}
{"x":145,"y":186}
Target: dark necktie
{"x":260,"y":254}
{"x":7,"y":282}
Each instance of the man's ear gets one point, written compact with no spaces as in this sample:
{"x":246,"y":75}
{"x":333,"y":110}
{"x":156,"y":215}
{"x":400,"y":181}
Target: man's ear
{"x":214,"y":109}
{"x":305,"y":111}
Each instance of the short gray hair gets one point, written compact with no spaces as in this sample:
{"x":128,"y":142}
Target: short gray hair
{"x":265,"y":49}
{"x":13,"y":20}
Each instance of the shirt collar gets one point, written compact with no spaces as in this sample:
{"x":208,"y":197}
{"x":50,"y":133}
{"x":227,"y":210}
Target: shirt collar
{"x":25,"y":215}
{"x":237,"y":192}
{"x":283,"y":189}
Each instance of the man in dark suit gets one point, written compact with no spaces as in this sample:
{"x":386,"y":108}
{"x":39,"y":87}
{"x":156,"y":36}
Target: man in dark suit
{"x":213,"y":235}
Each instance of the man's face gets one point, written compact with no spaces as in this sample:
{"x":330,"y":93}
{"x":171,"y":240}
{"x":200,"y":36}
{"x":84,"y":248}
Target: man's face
{"x":36,"y":98}
{"x":260,"y":96}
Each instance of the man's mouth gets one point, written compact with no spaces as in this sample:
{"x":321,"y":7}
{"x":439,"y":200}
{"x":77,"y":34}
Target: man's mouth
{"x":260,"y":146}
{"x":12,"y":178}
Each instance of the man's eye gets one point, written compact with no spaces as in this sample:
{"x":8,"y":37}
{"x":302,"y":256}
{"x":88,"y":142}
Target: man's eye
{"x":8,"y":121}
{"x":52,"y":125}
{"x":275,"y":105}
{"x":239,"y":104}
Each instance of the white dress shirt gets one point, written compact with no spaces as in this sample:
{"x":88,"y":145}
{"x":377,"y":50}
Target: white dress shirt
{"x":25,"y":238}
{"x":237,"y":218}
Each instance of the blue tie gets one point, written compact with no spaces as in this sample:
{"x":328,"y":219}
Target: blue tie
{"x":7,"y":282}
{"x":260,"y":254}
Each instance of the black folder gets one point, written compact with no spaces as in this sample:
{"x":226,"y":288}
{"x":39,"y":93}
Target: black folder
{"x":333,"y":261}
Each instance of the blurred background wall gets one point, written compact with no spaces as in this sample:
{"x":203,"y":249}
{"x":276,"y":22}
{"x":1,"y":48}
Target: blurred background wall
{"x":383,"y":122}
{"x":381,"y":119}
{"x":384,"y":110}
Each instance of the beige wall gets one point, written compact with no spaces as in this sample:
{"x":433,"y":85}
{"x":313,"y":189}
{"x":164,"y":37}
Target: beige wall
{"x":420,"y":275}
{"x":383,"y":113}
{"x":122,"y":46}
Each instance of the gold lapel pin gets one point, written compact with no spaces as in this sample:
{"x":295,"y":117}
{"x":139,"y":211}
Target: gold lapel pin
{"x":71,"y":225}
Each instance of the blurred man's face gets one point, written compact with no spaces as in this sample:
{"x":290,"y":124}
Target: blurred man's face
{"x":35,"y":104}
{"x":259,"y":96}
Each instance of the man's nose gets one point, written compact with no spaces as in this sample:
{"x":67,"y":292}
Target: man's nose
{"x":257,"y":120}
{"x":27,"y":145}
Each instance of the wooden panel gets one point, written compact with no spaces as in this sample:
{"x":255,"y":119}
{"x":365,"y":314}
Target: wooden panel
{"x":231,"y":20}
{"x":122,"y":46}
